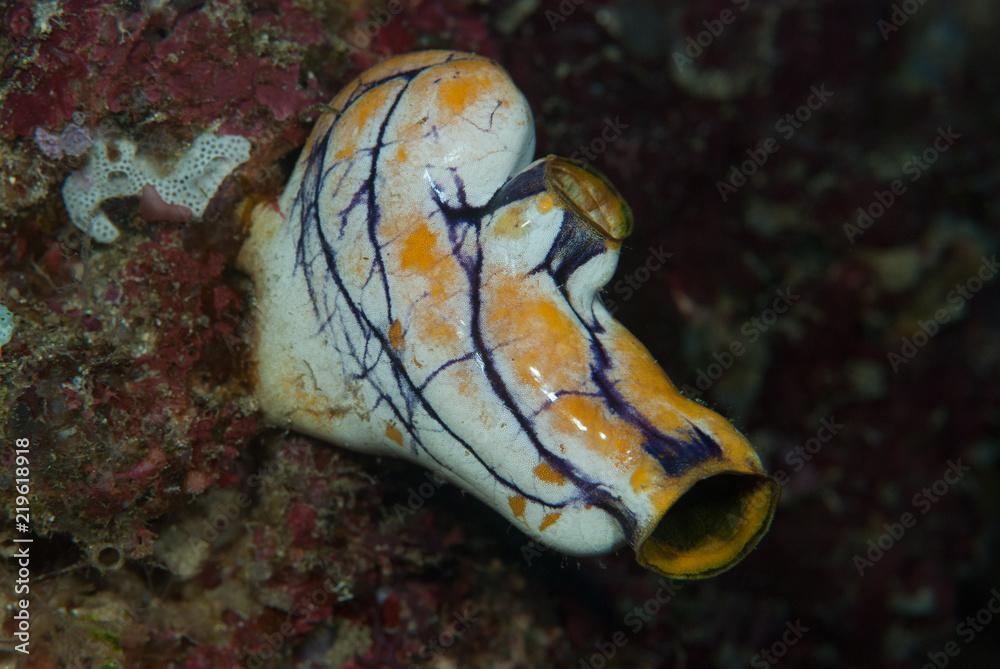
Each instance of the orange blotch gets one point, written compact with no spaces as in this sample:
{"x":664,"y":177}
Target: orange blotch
{"x":650,"y":480}
{"x":513,"y":222}
{"x":545,"y":203}
{"x":394,"y":434}
{"x":396,"y":339}
{"x":367,"y":106}
{"x":645,"y":385}
{"x":543,"y":341}
{"x":308,"y":403}
{"x":474,"y":78}
{"x":517,"y":503}
{"x":422,"y":255}
{"x":383,"y":70}
{"x":364,"y":112}
{"x":466,"y":383}
{"x":401,"y":155}
{"x":548,"y":520}
{"x":553,"y":318}
{"x":587,"y":420}
{"x":456,"y":94}
{"x":645,"y":475}
{"x":419,"y":252}
{"x":409,"y":62}
{"x":546,"y":472}
{"x":433,"y":326}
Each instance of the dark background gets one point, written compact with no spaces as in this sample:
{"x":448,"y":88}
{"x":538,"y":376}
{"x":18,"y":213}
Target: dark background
{"x":128,"y":369}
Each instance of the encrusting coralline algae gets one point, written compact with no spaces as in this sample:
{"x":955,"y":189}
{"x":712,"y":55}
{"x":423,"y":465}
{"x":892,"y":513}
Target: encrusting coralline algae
{"x":116,"y":170}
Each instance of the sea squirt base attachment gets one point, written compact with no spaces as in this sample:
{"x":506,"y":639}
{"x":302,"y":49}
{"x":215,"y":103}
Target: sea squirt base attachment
{"x":426,"y":290}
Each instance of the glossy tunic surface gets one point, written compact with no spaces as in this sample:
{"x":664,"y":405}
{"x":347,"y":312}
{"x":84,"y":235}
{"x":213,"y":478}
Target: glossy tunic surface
{"x":425,"y":290}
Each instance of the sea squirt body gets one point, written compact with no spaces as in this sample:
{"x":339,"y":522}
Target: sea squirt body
{"x":425,"y":290}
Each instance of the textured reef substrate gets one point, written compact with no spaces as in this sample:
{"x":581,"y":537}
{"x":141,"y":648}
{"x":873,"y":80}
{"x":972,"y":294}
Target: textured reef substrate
{"x":776,"y":271}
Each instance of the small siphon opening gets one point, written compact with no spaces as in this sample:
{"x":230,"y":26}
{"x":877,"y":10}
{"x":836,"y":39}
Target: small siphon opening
{"x":109,"y":557}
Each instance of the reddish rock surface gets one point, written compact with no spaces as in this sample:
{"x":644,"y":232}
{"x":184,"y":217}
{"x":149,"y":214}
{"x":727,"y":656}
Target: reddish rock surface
{"x":175,"y":529}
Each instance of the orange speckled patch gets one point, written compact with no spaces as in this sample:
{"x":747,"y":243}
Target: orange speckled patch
{"x":434,"y":327}
{"x":394,"y":434}
{"x":517,"y":503}
{"x":466,"y":383}
{"x":546,"y":472}
{"x":513,"y":222}
{"x":387,"y":68}
{"x":414,"y":61}
{"x":644,"y":475}
{"x":548,"y":520}
{"x":401,"y":155}
{"x":364,"y":111}
{"x":544,"y":203}
{"x":396,"y":339}
{"x":474,"y":78}
{"x":419,"y":253}
{"x":369,"y":106}
{"x":541,"y":339}
{"x":587,"y":420}
{"x":308,"y":403}
{"x":645,"y":385}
